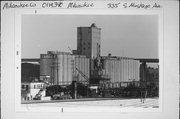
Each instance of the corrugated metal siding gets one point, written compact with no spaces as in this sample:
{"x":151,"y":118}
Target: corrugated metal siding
{"x":46,"y":65}
{"x":121,"y":69}
{"x":63,"y":67}
{"x":82,"y":64}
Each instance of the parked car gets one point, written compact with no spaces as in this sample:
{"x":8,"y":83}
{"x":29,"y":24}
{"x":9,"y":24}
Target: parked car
{"x":61,"y":97}
{"x":37,"y":97}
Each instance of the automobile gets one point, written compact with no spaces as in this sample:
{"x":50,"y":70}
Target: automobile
{"x":61,"y":97}
{"x":56,"y":96}
{"x":37,"y":97}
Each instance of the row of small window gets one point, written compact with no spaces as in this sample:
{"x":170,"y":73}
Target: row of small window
{"x":24,"y":86}
{"x":123,"y":84}
{"x":86,"y":48}
{"x":88,"y":31}
{"x":88,"y":38}
{"x":80,"y":31}
{"x":90,"y":46}
{"x":38,"y":86}
{"x":84,"y":43}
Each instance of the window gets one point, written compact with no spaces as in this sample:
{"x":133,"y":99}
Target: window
{"x":26,"y":87}
{"x":80,"y":32}
{"x":22,"y":86}
{"x":89,"y":30}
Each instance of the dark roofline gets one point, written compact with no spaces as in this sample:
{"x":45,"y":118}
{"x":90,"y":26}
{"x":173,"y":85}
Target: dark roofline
{"x":30,"y":60}
{"x":150,"y":60}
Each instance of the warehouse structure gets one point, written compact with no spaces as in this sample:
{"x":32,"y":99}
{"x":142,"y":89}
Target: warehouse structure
{"x":106,"y":75}
{"x":63,"y":67}
{"x":121,"y":69}
{"x":30,"y":71}
{"x":86,"y":64}
{"x":89,"y":41}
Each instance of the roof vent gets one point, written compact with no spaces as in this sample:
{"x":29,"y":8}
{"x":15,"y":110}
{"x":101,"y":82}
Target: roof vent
{"x":93,"y":25}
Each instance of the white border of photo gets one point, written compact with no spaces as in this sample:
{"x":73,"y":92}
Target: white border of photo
{"x":11,"y":64}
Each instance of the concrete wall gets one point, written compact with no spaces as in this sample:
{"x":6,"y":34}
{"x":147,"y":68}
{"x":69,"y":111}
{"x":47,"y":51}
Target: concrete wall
{"x":96,"y":42}
{"x":88,"y":41}
{"x":29,"y":72}
{"x":84,"y":41}
{"x":61,"y":67}
{"x":64,"y":69}
{"x":82,"y":63}
{"x":47,"y":62}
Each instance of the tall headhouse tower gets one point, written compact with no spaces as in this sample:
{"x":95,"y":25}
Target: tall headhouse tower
{"x":88,"y":41}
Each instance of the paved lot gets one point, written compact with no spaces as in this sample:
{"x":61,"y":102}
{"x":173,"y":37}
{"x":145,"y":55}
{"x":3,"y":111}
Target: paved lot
{"x":150,"y":102}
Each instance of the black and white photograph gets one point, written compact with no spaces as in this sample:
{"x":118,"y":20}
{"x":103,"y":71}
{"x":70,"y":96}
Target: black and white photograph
{"x":90,"y":60}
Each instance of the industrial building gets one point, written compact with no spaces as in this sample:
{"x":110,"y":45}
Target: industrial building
{"x":89,"y":41}
{"x":30,"y":71}
{"x":86,"y":64}
{"x":121,"y":69}
{"x":29,"y":90}
{"x":63,"y":67}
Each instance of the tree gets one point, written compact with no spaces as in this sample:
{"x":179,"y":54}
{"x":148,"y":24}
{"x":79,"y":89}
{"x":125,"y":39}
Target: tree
{"x":52,"y":90}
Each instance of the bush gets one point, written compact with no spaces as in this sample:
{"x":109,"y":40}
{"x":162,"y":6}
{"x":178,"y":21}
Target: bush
{"x":52,"y":90}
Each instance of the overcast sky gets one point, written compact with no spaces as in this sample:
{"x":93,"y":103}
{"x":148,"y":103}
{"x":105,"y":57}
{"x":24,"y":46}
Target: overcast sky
{"x":133,"y":36}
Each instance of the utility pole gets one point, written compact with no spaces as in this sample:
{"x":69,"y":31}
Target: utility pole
{"x":75,"y":91}
{"x":52,"y":74}
{"x":75,"y":80}
{"x":57,"y":70}
{"x":74,"y":75}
